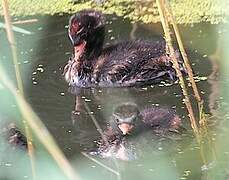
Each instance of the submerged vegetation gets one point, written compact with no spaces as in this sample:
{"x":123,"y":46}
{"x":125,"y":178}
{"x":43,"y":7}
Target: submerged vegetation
{"x":186,"y":11}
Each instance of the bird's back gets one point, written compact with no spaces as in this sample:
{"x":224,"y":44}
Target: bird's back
{"x":133,"y":62}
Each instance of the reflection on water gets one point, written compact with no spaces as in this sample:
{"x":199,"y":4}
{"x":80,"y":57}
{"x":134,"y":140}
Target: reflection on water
{"x":62,"y":109}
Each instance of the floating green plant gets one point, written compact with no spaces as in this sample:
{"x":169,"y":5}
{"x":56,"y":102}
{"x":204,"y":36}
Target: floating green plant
{"x":186,"y":11}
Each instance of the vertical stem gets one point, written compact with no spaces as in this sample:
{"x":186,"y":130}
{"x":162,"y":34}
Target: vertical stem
{"x":202,"y":116}
{"x":78,"y":103}
{"x":12,"y":42}
{"x":13,"y":46}
{"x":133,"y":31}
{"x":103,"y":136}
{"x":164,"y":19}
{"x":99,"y":129}
{"x":176,"y":65}
{"x":30,"y":149}
{"x":183,"y":53}
{"x":39,"y":129}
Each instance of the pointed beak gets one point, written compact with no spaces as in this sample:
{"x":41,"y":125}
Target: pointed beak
{"x":125,"y":128}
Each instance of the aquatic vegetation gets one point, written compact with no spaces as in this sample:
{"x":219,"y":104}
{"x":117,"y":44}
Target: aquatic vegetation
{"x":186,"y":11}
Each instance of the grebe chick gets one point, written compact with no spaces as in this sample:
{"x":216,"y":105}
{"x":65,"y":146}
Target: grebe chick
{"x":128,"y":118}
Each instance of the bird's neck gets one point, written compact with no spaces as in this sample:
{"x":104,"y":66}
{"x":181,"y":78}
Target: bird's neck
{"x":85,"y":54}
{"x":94,"y":44}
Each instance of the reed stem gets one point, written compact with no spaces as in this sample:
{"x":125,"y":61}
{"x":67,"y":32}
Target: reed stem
{"x":99,"y":129}
{"x":202,"y":115}
{"x":39,"y":129}
{"x":103,"y":136}
{"x":13,"y":46}
{"x":163,"y":9}
{"x":185,"y":58}
{"x":165,"y":25}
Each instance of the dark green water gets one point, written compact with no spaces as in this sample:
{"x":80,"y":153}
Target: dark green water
{"x":43,"y":55}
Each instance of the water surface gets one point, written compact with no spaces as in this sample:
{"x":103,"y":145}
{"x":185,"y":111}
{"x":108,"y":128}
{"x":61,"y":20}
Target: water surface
{"x":42,"y":57}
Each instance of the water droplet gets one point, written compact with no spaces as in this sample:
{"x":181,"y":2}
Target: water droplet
{"x":8,"y":164}
{"x":183,"y":178}
{"x":40,"y":69}
{"x":202,"y":92}
{"x":76,"y":112}
{"x":67,"y":53}
{"x":35,"y":82}
{"x":204,"y":167}
{"x":180,"y":152}
{"x":160,"y":148}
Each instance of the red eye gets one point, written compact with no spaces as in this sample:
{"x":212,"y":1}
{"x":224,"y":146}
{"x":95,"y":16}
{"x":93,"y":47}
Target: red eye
{"x":74,"y":27}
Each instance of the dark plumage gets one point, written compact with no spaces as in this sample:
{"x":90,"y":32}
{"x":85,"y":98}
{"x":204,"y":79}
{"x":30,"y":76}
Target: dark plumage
{"x":127,"y":118}
{"x":128,"y":63}
{"x":14,"y":137}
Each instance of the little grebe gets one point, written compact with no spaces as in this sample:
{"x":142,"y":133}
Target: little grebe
{"x":13,"y":136}
{"x":127,"y":118}
{"x":129,"y":63}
